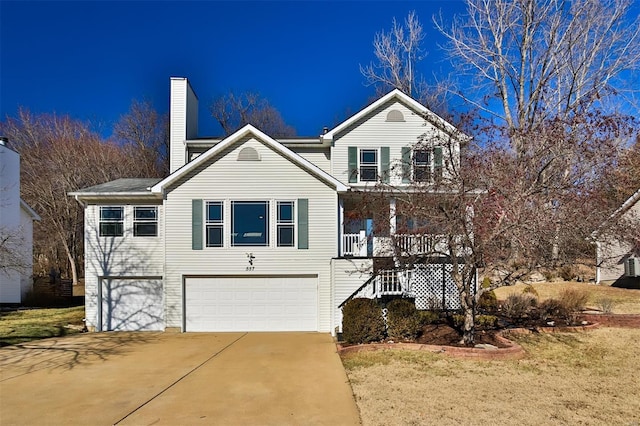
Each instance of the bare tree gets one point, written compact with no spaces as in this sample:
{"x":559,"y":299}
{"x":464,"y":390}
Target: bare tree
{"x":232,"y":111}
{"x":543,"y":60}
{"x":145,"y":133}
{"x":398,"y":53}
{"x":60,"y":155}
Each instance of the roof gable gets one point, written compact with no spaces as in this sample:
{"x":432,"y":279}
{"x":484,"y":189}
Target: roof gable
{"x":394,"y":95}
{"x":249,"y":130}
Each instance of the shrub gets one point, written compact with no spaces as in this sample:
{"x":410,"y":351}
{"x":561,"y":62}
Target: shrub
{"x":362,"y":321}
{"x":434,"y":304}
{"x":486,"y":282}
{"x":488,"y":302}
{"x":428,"y":317}
{"x":519,"y":306}
{"x":486,"y":321}
{"x":605,"y":305}
{"x":553,"y":309}
{"x":574,"y":299}
{"x":403,"y":320}
{"x":567,"y":273}
{"x":529,"y":289}
{"x":457,"y":320}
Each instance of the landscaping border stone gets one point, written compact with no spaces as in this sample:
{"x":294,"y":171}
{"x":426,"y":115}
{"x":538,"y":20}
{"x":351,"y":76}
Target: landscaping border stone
{"x":613,"y":320}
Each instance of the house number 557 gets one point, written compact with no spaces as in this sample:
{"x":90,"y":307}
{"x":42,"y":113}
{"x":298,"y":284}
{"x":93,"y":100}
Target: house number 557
{"x":250,"y":258}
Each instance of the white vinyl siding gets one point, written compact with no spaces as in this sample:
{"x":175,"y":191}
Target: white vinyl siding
{"x":348,"y":276}
{"x":125,"y":256}
{"x":226,"y":179}
{"x":374,"y":131}
{"x":131,"y":304}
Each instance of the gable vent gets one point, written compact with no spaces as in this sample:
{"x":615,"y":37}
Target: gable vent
{"x":395,"y":115}
{"x":248,"y":154}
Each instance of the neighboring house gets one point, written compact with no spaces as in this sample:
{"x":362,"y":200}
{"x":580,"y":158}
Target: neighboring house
{"x":250,"y":233}
{"x":618,"y":257}
{"x":16,"y":231}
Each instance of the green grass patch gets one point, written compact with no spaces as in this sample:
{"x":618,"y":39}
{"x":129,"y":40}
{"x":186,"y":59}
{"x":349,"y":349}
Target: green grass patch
{"x":32,"y":324}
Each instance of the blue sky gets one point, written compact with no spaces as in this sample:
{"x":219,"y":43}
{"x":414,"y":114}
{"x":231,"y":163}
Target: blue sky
{"x":90,"y":59}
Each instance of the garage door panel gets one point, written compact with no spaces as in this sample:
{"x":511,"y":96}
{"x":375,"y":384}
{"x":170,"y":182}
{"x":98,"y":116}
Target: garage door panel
{"x":251,"y":304}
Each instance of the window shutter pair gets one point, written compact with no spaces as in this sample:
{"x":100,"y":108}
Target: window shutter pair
{"x":353,"y":163}
{"x":197,"y":224}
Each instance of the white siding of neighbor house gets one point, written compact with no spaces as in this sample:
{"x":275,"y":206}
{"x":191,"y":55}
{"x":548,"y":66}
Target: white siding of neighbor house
{"x":184,"y":120}
{"x":348,"y":276}
{"x":273,"y":178}
{"x":125,"y":256}
{"x":612,"y":253}
{"x":374,"y":131}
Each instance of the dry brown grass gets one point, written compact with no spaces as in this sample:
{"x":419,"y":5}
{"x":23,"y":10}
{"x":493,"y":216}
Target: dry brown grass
{"x":589,"y":378}
{"x":625,"y":301}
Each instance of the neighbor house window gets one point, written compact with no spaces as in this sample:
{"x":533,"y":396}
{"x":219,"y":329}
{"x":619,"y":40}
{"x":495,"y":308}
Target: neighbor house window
{"x":368,"y":165}
{"x":285,"y":224}
{"x":249,"y":223}
{"x":111,"y":221}
{"x":145,"y":221}
{"x":421,"y":165}
{"x":214,"y":224}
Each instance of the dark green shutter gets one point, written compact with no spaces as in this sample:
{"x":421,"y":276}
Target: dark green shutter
{"x":196,"y":224}
{"x":384,"y":163}
{"x":437,"y":162}
{"x":406,"y":164}
{"x":353,"y":164}
{"x":303,"y":223}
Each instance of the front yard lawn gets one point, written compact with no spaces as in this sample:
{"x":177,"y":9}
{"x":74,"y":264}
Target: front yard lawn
{"x":32,"y":324}
{"x":567,"y":378}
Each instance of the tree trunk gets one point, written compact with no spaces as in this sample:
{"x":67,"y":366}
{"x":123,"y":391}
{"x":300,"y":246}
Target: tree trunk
{"x":469,"y":331}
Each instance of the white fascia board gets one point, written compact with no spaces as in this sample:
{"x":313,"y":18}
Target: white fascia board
{"x":272,"y":143}
{"x":26,"y":207}
{"x":394,"y":94}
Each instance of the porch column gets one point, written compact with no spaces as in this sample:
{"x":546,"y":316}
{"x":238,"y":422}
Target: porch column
{"x":340,"y":226}
{"x":392,"y":216}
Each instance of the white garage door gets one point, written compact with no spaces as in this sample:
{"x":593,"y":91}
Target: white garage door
{"x":132,"y":304}
{"x":284,"y":303}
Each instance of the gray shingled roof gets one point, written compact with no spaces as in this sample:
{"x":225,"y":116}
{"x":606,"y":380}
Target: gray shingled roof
{"x":125,"y":185}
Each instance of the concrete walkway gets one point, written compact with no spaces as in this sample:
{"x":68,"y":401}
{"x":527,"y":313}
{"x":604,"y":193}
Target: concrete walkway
{"x":167,"y":378}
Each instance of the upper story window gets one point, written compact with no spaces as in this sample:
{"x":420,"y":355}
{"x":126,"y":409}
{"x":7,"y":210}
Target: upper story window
{"x":145,"y":221}
{"x":111,"y":221}
{"x":285,"y":224}
{"x":422,"y":165}
{"x":214,"y":224}
{"x":249,"y":223}
{"x":368,"y":165}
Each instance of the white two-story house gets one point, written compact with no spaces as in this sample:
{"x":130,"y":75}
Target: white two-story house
{"x":252,"y":233}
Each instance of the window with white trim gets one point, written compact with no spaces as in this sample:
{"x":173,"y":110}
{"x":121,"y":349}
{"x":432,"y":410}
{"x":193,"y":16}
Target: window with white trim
{"x":145,"y":221}
{"x":214,"y":224}
{"x":285,"y":224}
{"x":368,"y":167}
{"x":421,"y":165}
{"x":111,"y":221}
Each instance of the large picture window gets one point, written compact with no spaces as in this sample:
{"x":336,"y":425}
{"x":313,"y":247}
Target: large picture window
{"x":249,"y":223}
{"x":111,"y":221}
{"x":286,"y":224}
{"x":145,"y":221}
{"x":214,"y":224}
{"x":368,"y":165}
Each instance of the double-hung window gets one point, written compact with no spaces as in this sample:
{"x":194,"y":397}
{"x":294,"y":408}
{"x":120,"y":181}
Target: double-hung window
{"x":285,"y":224}
{"x":111,"y":221}
{"x":214,"y":224}
{"x":145,"y":221}
{"x":250,"y":223}
{"x":421,"y":165}
{"x":368,"y":165}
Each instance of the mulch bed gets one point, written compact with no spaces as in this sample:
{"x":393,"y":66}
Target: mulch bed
{"x":444,"y":334}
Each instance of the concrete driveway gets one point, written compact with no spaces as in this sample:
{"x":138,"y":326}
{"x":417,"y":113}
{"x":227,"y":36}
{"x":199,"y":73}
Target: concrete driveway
{"x":176,"y":378}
